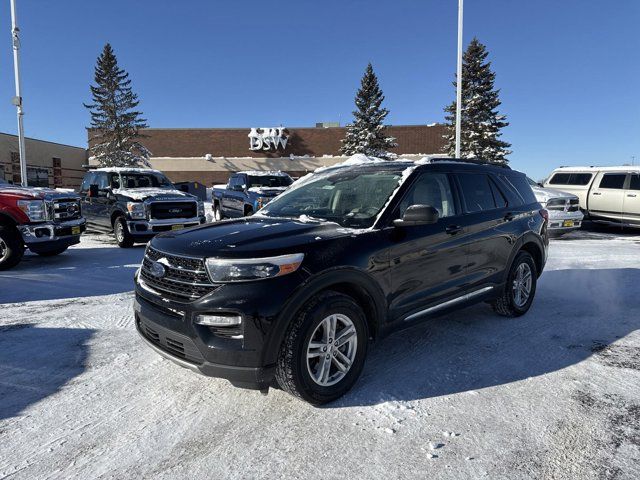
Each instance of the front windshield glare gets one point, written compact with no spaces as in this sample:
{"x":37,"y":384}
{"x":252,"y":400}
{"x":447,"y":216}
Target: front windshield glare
{"x":351,"y":199}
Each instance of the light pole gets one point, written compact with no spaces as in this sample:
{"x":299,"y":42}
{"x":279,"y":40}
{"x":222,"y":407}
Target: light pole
{"x":17,"y":100}
{"x":459,"y":80}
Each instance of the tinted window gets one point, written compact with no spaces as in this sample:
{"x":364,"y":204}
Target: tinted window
{"x":430,"y":189}
{"x":613,"y":180}
{"x":498,"y":197}
{"x":570,"y":179}
{"x":521,"y":185}
{"x":144,"y":180}
{"x":269,"y":181}
{"x":635,"y":182}
{"x":88,"y":180}
{"x":476,"y":191}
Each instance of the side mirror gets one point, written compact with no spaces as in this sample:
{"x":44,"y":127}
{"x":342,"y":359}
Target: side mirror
{"x":93,"y":190}
{"x":418,"y":215}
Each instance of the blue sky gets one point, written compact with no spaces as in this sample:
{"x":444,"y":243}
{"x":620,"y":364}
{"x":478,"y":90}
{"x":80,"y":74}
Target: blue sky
{"x":569,"y":70}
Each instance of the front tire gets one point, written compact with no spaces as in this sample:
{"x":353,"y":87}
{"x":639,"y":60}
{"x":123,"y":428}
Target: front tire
{"x":517,"y":297}
{"x":324,"y":349}
{"x":11,"y":247}
{"x":121,"y":232}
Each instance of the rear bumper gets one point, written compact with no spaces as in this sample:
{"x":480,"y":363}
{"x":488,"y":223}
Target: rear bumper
{"x":49,"y":232}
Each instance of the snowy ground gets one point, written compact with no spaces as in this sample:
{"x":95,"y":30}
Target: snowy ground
{"x":555,"y":394}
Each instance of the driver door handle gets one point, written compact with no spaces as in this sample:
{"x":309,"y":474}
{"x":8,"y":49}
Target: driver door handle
{"x":596,"y":193}
{"x":631,"y":194}
{"x":453,"y":229}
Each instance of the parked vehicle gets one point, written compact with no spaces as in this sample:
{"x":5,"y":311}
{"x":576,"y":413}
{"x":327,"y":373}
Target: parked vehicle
{"x":45,"y":221}
{"x":564,"y":209}
{"x":247,"y":192}
{"x":351,"y":253}
{"x":136,"y":204}
{"x":607,"y":194}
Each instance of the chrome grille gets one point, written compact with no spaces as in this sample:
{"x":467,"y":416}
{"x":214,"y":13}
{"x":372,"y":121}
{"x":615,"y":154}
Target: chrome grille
{"x":563,"y":204}
{"x":64,"y":209}
{"x":167,"y":210}
{"x":185,"y":279}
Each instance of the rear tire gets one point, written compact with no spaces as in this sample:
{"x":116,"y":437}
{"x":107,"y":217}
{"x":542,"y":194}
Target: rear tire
{"x":520,"y":288}
{"x":11,"y":247}
{"x":310,"y":364}
{"x":217,"y":213}
{"x":121,"y":232}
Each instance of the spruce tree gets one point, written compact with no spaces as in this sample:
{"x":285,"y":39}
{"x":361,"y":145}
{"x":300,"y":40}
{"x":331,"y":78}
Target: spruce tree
{"x":367,"y":133}
{"x":115,"y":122}
{"x":481,"y":123}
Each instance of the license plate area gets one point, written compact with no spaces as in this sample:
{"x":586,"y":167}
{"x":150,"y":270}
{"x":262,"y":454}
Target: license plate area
{"x":177,"y":227}
{"x":567,"y":223}
{"x":75,"y":231}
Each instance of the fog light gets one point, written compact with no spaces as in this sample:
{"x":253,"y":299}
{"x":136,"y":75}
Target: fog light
{"x":221,"y":320}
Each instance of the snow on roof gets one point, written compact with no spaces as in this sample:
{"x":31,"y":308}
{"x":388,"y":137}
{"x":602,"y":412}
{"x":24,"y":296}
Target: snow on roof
{"x":125,"y":169}
{"x":592,"y":168}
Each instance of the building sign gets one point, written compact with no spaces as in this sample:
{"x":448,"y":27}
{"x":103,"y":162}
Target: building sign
{"x":268,"y":139}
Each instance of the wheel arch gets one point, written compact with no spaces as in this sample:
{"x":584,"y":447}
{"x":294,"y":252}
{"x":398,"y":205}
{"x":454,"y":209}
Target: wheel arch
{"x":353,"y":283}
{"x":7,"y":220}
{"x":115,"y":214}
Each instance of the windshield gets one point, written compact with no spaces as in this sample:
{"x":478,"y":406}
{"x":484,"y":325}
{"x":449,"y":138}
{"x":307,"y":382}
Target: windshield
{"x":256,"y":181}
{"x":141,"y":180}
{"x":349,"y":198}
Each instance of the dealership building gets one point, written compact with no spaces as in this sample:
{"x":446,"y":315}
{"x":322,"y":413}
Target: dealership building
{"x":49,"y":164}
{"x":208,"y":155}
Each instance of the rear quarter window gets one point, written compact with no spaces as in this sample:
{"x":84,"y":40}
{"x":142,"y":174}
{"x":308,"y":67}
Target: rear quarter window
{"x":521,"y":187}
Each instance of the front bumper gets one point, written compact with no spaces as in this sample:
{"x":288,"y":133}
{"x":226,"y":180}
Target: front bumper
{"x":149,"y":228}
{"x":49,"y":232}
{"x":561,"y":221}
{"x":238,"y":354}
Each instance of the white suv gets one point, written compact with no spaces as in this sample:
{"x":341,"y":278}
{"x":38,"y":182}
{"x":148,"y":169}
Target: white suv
{"x":607,"y":194}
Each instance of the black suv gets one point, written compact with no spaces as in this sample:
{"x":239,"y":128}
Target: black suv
{"x":348,"y":254}
{"x":136,"y":204}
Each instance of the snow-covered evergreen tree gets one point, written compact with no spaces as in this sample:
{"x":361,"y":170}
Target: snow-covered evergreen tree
{"x":115,"y":122}
{"x":367,"y":134}
{"x":481,"y":123}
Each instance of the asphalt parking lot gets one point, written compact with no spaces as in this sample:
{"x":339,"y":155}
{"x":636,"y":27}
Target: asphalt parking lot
{"x":551,"y":395}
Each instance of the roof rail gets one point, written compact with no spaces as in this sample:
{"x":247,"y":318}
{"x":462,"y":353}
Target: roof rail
{"x":475,"y":161}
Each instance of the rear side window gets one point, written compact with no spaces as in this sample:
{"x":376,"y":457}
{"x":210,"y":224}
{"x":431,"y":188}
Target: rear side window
{"x":522,"y":188}
{"x":635,"y":182}
{"x":477,"y":192}
{"x":570,"y":179}
{"x":613,"y":180}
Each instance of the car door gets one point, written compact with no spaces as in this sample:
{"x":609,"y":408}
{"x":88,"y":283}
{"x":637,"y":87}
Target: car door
{"x":631,"y":202}
{"x":101,"y":203}
{"x":427,"y":262}
{"x":490,"y":233}
{"x":85,"y":197}
{"x":606,"y":199}
{"x":229,"y":197}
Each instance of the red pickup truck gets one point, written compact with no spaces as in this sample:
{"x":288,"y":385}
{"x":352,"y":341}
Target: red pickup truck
{"x":45,"y":221}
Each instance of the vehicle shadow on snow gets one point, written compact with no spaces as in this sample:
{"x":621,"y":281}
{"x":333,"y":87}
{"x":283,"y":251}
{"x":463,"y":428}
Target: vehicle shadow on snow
{"x":79,"y":272}
{"x":576,"y":313}
{"x":37,"y":362}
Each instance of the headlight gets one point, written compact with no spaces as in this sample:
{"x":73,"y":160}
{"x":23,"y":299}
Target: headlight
{"x":136,"y":210}
{"x":246,"y":269}
{"x":34,"y":209}
{"x":200,"y":208}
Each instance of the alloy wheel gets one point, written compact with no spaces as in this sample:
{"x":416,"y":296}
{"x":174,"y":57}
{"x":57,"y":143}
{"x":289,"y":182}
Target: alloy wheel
{"x":3,"y":249}
{"x":332,"y":349}
{"x":522,"y":285}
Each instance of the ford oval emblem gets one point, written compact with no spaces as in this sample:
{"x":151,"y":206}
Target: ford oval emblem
{"x":175,"y":210}
{"x":157,"y":269}
{"x":72,"y":209}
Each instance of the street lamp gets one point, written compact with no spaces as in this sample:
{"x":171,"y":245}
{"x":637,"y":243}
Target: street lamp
{"x":17,"y":100}
{"x":459,"y":80}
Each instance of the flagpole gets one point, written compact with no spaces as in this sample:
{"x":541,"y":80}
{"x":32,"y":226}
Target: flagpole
{"x":17,"y":100}
{"x":459,"y":80}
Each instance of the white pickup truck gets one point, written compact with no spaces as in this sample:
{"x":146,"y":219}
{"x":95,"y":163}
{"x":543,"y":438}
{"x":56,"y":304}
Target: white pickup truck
{"x":563,"y":207}
{"x":607,"y":194}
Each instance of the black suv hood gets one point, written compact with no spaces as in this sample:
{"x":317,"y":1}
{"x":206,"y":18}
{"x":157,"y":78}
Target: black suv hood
{"x":250,"y":236}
